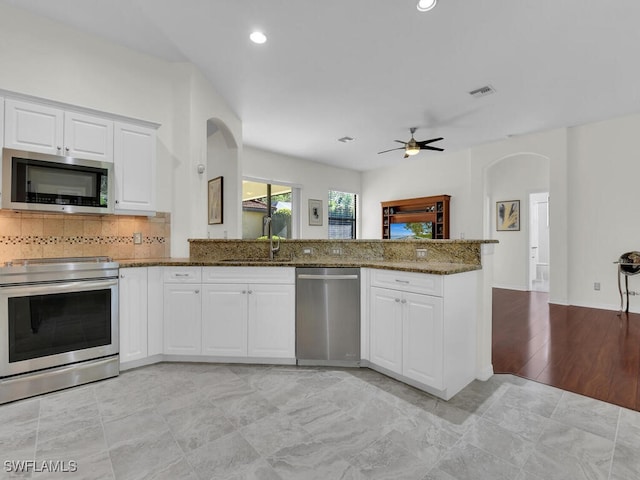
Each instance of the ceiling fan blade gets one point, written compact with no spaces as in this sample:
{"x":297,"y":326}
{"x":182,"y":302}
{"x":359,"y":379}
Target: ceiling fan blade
{"x":400,"y":141}
{"x":385,"y":151}
{"x":427,"y":147}
{"x":426,"y":142}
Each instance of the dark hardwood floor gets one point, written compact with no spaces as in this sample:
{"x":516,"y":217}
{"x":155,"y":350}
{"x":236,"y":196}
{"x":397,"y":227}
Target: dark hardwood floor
{"x":583,"y":350}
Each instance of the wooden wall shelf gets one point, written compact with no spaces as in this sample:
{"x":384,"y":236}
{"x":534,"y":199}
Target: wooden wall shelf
{"x":433,"y":210}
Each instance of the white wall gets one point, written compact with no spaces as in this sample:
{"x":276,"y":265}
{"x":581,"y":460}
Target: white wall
{"x":314,"y":180}
{"x":514,"y":178}
{"x":45,"y":59}
{"x":604,"y":219}
{"x":550,"y":144}
{"x":424,"y":175}
{"x":222,"y":158}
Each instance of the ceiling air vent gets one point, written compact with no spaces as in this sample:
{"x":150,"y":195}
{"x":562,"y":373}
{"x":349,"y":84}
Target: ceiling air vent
{"x":482,"y":91}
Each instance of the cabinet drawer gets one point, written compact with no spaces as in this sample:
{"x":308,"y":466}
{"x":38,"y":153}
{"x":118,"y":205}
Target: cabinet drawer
{"x":182,"y":274}
{"x":408,"y":281}
{"x":281,"y":275}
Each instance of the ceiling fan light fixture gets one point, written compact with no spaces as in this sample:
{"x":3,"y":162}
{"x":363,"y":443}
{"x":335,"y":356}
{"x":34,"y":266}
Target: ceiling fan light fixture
{"x":412,"y":150}
{"x":426,"y":5}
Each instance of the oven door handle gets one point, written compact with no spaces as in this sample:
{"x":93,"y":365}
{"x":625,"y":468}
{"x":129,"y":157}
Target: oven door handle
{"x":54,"y":287}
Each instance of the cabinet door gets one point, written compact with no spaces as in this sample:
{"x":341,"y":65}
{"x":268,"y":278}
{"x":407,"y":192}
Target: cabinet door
{"x":386,"y":329}
{"x":224,"y":320}
{"x":155,"y":321}
{"x":134,"y":159}
{"x":33,"y":127}
{"x":132,"y":291}
{"x":182,"y":325}
{"x":86,"y":136}
{"x":271,"y":321}
{"x":422,"y":345}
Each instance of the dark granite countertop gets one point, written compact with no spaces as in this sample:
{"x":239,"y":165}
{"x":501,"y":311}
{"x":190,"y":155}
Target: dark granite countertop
{"x":406,"y":266}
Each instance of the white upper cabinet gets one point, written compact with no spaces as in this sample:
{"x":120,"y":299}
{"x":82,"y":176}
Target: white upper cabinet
{"x":135,"y":168}
{"x":1,"y":136}
{"x":86,"y":136}
{"x":45,"y":129}
{"x":33,"y":127}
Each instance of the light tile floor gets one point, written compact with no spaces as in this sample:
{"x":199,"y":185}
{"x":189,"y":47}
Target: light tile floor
{"x":197,"y":421}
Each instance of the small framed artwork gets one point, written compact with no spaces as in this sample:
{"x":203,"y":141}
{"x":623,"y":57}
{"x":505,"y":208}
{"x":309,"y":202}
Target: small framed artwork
{"x":508,"y":216}
{"x":315,"y":212}
{"x":215,"y":201}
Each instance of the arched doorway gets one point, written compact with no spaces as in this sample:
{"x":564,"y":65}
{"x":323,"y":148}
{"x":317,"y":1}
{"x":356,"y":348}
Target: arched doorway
{"x":514,"y":178}
{"x":223,"y":161}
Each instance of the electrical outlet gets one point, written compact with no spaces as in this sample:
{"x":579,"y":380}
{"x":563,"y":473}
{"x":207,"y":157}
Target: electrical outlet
{"x":336,"y":251}
{"x":137,"y":238}
{"x":596,"y":286}
{"x":421,"y":252}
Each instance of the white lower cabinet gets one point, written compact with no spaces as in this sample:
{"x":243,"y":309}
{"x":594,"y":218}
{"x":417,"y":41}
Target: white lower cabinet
{"x":422,"y":329}
{"x":271,"y":321}
{"x":224,"y":320}
{"x":232,"y":312}
{"x":406,"y":334}
{"x":386,"y":329}
{"x":422,"y":338}
{"x":132,"y":291}
{"x":248,"y":312}
{"x":155,"y":311}
{"x":182,"y":324}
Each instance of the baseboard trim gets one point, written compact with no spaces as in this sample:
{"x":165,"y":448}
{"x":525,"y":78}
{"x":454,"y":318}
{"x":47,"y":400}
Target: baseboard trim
{"x":485,"y":373}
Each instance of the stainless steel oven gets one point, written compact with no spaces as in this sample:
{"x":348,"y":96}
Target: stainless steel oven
{"x":58,"y":324}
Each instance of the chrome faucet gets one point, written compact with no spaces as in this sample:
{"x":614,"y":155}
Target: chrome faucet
{"x":272,"y":250}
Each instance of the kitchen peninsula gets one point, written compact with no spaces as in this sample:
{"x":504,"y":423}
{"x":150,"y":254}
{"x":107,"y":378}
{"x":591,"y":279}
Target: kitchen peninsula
{"x":423,"y":317}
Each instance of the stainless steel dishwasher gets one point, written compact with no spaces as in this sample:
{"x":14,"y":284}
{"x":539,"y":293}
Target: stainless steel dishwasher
{"x":328,"y":316}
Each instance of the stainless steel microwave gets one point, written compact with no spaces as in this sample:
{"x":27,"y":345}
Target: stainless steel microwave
{"x":37,"y":181}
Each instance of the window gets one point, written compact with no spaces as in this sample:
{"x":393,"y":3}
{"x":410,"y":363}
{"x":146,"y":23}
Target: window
{"x":260,"y":200}
{"x":342,"y":214}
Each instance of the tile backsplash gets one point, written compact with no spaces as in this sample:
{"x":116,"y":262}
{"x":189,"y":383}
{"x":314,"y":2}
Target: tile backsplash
{"x":44,"y":235}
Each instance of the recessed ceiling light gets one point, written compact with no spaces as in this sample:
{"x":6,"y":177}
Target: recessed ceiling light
{"x":258,"y":37}
{"x":426,"y":5}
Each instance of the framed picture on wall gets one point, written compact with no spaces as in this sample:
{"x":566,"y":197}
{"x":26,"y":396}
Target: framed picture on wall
{"x":315,"y":212}
{"x":508,"y":216}
{"x":215,"y":201}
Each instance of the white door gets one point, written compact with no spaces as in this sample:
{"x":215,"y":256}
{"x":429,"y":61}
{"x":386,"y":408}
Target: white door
{"x":182,"y":325}
{"x":132,"y":291}
{"x":224,"y":320}
{"x":134,"y":159}
{"x":271,"y":321}
{"x":33,"y":127}
{"x":386,"y":329}
{"x":86,"y":136}
{"x":422,"y":339}
{"x":539,"y":242}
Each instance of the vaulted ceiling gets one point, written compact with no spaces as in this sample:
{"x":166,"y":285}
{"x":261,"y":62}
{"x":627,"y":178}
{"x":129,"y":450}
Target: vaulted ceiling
{"x":371,"y":69}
